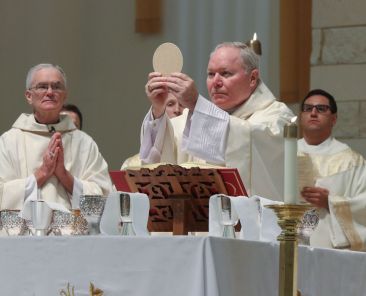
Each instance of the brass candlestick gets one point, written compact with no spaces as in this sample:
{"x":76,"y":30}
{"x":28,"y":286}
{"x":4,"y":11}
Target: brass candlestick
{"x":289,"y":215}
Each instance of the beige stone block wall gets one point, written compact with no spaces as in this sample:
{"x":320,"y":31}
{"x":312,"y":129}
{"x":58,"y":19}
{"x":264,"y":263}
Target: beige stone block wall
{"x":345,"y":82}
{"x":338,"y":64}
{"x":338,"y":13}
{"x":344,"y":45}
{"x":363,"y":121}
{"x":348,"y":121}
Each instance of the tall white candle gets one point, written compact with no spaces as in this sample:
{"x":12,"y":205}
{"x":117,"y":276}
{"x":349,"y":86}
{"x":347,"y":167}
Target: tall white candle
{"x":290,"y":167}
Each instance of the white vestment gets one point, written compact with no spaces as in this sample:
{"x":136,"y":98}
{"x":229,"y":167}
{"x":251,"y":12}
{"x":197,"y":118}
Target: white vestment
{"x":250,"y":139}
{"x":342,"y":171}
{"x":132,"y":162}
{"x":21,"y":153}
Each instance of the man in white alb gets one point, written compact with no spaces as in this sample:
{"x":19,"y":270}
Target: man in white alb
{"x":172,"y":109}
{"x":44,"y":150}
{"x":241,"y":127}
{"x":339,"y":193}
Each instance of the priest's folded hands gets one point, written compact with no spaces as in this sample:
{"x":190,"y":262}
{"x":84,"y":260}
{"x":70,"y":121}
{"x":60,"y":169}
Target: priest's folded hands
{"x":44,"y":155}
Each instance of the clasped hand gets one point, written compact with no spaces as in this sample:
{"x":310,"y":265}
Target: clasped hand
{"x":53,"y":160}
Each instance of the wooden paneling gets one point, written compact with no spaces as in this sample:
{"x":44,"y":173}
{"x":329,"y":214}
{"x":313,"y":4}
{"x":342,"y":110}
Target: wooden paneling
{"x":148,"y":16}
{"x":295,"y":49}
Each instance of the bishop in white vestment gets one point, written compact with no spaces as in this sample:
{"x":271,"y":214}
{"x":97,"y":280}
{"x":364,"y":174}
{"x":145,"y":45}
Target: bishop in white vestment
{"x":241,"y":127}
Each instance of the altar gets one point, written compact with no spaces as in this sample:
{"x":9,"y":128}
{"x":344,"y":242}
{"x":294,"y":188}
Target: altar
{"x":181,"y":265}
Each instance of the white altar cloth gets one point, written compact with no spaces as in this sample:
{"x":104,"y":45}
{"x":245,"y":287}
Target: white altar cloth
{"x":195,"y":266}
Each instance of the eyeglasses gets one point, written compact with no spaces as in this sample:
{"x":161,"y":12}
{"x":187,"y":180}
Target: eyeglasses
{"x":319,"y":108}
{"x":43,"y":87}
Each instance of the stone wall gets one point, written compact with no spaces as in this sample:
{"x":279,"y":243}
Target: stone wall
{"x":338,"y":63}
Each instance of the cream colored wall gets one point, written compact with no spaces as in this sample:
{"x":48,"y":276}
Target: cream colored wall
{"x":338,"y":63}
{"x":107,"y":62}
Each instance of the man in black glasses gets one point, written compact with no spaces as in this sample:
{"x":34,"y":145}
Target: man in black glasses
{"x":44,"y":155}
{"x":339,"y":189}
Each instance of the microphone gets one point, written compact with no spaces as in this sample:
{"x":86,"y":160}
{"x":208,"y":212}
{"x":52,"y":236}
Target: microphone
{"x":51,"y":129}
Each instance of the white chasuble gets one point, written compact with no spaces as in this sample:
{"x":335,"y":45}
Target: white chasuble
{"x":343,"y":172}
{"x":21,"y":153}
{"x":249,"y":139}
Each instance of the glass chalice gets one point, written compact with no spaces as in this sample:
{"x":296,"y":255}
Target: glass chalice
{"x":227,"y":219}
{"x":91,"y":207}
{"x":65,"y":223}
{"x":307,"y":225}
{"x":126,"y":219}
{"x":12,"y":223}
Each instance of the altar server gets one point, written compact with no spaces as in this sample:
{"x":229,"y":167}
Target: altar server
{"x":339,"y":193}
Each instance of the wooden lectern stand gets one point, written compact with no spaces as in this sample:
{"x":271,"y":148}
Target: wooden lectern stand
{"x":179,"y":196}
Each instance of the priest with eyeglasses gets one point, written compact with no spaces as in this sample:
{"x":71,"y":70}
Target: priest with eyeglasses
{"x":339,"y":192}
{"x":44,"y":155}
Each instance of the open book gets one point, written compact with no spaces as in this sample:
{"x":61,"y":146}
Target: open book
{"x":230,"y":176}
{"x":190,"y":185}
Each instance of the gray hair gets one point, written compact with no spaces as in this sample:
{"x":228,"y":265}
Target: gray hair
{"x":250,"y":60}
{"x":38,"y":67}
